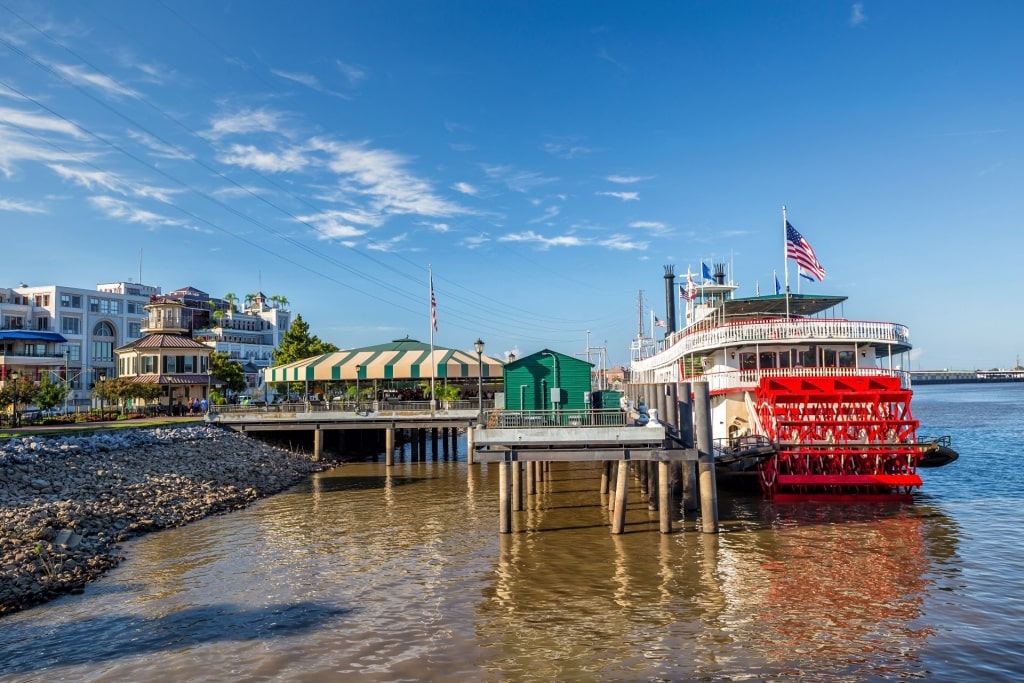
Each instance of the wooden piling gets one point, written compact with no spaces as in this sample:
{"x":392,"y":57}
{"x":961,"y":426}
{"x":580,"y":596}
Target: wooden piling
{"x":504,"y":499}
{"x":469,"y":445}
{"x":517,"y":486}
{"x":389,"y":446}
{"x":705,"y":459}
{"x":619,"y":511}
{"x":318,"y":443}
{"x":664,"y":497}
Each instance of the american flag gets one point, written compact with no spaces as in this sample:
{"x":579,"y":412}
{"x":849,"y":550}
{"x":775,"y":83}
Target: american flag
{"x":798,"y":249}
{"x":658,"y":322}
{"x":433,"y":305}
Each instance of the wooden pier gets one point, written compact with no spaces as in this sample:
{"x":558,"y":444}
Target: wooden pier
{"x":533,"y":438}
{"x":676,"y":446}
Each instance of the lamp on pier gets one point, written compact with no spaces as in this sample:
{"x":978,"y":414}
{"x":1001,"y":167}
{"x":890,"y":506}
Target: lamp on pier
{"x":479,"y":346}
{"x":359,"y":369}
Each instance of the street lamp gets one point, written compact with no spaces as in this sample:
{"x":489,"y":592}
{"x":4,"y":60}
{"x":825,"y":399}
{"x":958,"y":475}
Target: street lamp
{"x":67,"y":384}
{"x":359,"y":369}
{"x":479,"y":346}
{"x":103,"y":392}
{"x":13,"y":376}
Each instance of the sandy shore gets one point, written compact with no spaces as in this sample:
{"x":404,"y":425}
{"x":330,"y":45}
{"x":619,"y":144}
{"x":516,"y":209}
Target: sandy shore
{"x":67,"y":502}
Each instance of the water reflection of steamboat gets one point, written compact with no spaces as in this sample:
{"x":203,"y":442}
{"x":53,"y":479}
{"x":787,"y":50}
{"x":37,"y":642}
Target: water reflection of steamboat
{"x":807,"y":400}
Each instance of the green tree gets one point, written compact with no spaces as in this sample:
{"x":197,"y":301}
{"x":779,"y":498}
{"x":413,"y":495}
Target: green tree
{"x":232,"y":301}
{"x":27,"y":391}
{"x":51,"y":394}
{"x":228,"y":371}
{"x":297,"y":343}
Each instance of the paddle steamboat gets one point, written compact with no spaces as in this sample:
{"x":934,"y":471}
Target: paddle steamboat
{"x":803,"y":399}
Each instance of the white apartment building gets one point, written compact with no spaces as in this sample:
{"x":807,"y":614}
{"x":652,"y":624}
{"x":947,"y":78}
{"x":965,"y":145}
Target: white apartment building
{"x":86,"y":326}
{"x":74,"y":331}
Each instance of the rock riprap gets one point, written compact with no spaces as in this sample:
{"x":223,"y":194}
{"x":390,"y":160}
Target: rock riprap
{"x":66,"y":503}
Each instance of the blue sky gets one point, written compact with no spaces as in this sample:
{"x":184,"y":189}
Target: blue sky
{"x":545,"y":159}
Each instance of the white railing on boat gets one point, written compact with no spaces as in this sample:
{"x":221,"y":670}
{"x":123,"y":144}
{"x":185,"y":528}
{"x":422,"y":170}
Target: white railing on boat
{"x":739,"y":380}
{"x":803,"y":331}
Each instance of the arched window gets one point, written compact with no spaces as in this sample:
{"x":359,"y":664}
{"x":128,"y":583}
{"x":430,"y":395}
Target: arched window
{"x":103,"y":329}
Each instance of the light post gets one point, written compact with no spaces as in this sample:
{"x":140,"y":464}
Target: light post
{"x":103,"y":392}
{"x":359,"y":369}
{"x":67,"y":383}
{"x":13,"y":376}
{"x":209,"y":386}
{"x":479,"y":346}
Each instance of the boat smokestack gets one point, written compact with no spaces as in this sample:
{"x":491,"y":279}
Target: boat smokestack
{"x":670,"y":300}
{"x":719,"y":273}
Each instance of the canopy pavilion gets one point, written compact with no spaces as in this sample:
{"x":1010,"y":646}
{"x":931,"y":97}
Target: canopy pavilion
{"x":399,"y":361}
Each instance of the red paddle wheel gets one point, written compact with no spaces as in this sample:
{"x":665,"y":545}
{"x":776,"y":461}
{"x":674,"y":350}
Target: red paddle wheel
{"x":848,"y":436}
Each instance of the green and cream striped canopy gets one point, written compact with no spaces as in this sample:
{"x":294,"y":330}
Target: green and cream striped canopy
{"x":401,"y":359}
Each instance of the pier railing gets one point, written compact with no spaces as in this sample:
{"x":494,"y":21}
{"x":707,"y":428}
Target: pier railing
{"x":349,"y":406}
{"x":539,"y":419}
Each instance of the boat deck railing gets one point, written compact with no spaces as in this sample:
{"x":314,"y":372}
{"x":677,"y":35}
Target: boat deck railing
{"x":809,"y":330}
{"x":736,"y":380}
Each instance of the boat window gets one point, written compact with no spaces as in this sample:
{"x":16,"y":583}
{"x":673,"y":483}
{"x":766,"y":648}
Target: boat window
{"x":748,"y":361}
{"x":767,"y":359}
{"x":847,"y":359}
{"x":828,"y":358}
{"x":784,"y":359}
{"x":806,"y":359}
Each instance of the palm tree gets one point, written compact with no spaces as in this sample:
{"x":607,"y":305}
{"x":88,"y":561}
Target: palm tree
{"x":232,"y":301}
{"x":249,"y":298}
{"x":279,"y":300}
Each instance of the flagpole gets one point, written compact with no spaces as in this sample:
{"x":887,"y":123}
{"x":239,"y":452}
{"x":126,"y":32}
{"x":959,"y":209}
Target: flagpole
{"x":785,"y":260}
{"x":433,"y":365}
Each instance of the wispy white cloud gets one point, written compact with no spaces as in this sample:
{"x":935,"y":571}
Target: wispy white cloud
{"x":626,"y":179}
{"x":465,"y":188}
{"x":517,"y":180}
{"x":530,"y":236}
{"x":381,"y":176}
{"x":438,"y":227}
{"x":121,"y":210}
{"x":475,"y":241}
{"x":653,"y":226}
{"x":20,"y":207}
{"x":158,"y":148}
{"x":246,"y":121}
{"x":353,"y":73}
{"x":40,"y":122}
{"x":386,"y":245}
{"x":79,"y":75}
{"x":111,"y":182}
{"x":857,"y":16}
{"x":461,"y":147}
{"x":623,"y":243}
{"x":15,"y":147}
{"x":340,"y":224}
{"x":308,"y":80}
{"x":549,"y":213}
{"x":624,"y":196}
{"x":249,"y":156}
{"x":567,"y":150}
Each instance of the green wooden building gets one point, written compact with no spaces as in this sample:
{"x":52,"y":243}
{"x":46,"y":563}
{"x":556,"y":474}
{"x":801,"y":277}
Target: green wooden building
{"x":548,"y":380}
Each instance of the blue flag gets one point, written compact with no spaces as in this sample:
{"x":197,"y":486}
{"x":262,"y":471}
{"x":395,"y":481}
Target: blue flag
{"x":778,"y":287}
{"x":705,"y":272}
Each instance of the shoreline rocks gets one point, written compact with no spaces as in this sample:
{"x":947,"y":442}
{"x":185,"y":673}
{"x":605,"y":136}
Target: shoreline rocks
{"x":68,"y":501}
